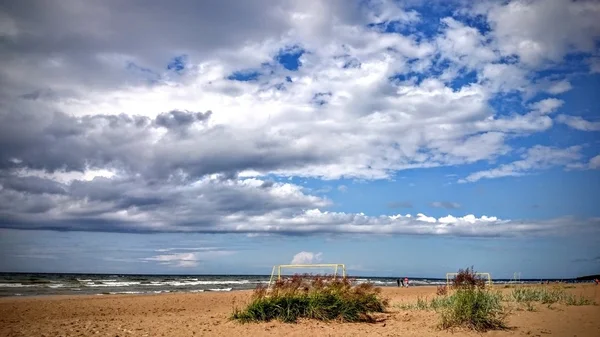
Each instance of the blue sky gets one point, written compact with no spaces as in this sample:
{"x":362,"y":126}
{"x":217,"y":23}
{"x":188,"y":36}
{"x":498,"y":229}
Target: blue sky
{"x":396,"y":137}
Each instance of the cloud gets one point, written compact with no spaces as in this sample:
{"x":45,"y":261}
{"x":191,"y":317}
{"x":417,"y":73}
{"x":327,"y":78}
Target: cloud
{"x":445,"y":204}
{"x":594,"y":63}
{"x":536,"y":158}
{"x":162,"y":129}
{"x":595,"y":162}
{"x":578,"y":123}
{"x":307,"y":258}
{"x":342,"y":188}
{"x":547,"y":105}
{"x":559,"y":87}
{"x":180,"y":119}
{"x":187,"y":260}
{"x":528,"y":29}
{"x":592,"y":164}
{"x":399,"y":121}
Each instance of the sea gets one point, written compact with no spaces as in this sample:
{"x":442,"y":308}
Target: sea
{"x":34,"y":284}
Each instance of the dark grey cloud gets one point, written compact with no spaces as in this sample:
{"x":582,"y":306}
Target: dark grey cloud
{"x":32,"y":184}
{"x":399,"y":204}
{"x":136,"y":204}
{"x":86,"y":45}
{"x":177,"y":119}
{"x":445,"y":204}
{"x":59,"y":142}
{"x":85,"y":37}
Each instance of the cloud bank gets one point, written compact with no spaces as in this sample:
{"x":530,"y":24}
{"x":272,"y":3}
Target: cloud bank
{"x":164,"y":129}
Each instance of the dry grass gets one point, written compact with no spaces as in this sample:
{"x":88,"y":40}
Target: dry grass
{"x":313,"y":297}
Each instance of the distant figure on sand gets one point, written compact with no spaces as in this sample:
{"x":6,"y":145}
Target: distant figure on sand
{"x":406,"y":282}
{"x":398,"y":281}
{"x":596,"y":280}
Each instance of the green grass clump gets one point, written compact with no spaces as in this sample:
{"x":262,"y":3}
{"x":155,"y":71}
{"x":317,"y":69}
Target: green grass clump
{"x":320,"y":298}
{"x":435,"y":303}
{"x":472,"y":305}
{"x":546,"y":295}
{"x":577,"y":300}
{"x":474,"y":308}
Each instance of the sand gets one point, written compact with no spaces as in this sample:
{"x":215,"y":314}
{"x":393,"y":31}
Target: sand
{"x":207,"y":314}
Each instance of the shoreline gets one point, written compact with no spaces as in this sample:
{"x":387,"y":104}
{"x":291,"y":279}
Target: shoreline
{"x":75,"y":294}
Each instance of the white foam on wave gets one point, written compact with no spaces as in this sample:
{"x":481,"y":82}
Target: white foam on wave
{"x":222,"y":289}
{"x":126,"y":292}
{"x":112,"y":284}
{"x":197,"y":283}
{"x":54,"y":286}
{"x":16,"y":285}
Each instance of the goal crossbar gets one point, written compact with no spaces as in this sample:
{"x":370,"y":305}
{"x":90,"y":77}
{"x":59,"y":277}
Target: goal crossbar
{"x":334,"y":266}
{"x":487,"y":276}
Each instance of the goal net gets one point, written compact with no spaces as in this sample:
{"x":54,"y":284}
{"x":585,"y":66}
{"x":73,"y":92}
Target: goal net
{"x":285,"y":270}
{"x":485,"y":276}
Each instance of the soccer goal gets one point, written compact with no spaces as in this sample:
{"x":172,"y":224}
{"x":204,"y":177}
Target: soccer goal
{"x":485,"y":276}
{"x":280,"y":270}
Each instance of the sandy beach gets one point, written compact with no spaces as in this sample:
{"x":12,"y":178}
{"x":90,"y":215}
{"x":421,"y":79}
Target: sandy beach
{"x":207,"y":314}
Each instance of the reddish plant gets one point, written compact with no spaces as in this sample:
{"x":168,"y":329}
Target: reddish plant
{"x":467,"y":279}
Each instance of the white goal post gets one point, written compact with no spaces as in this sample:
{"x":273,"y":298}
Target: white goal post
{"x":335,"y":267}
{"x":486,"y":276}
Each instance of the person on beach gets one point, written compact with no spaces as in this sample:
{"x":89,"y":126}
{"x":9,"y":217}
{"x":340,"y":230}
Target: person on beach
{"x":406,"y":282}
{"x":398,"y":281}
{"x":596,"y":280}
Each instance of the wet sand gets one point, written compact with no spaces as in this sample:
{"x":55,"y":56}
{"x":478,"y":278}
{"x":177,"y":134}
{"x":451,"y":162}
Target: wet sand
{"x":207,"y":314}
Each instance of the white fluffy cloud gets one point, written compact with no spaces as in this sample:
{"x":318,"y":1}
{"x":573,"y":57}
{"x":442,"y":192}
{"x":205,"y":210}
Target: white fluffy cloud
{"x":578,"y":123}
{"x":535,"y":158}
{"x":529,"y":29}
{"x":307,"y":258}
{"x":547,"y":105}
{"x":369,"y":126}
{"x":107,"y":125}
{"x":187,"y":260}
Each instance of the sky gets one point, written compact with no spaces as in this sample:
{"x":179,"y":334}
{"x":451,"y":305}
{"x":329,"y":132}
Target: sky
{"x":401,"y":138}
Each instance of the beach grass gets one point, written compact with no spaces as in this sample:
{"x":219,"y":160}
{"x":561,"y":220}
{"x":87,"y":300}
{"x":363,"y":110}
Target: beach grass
{"x":473,"y":305}
{"x":475,"y":308}
{"x":548,"y":295}
{"x":470,"y":304}
{"x":313,"y":297}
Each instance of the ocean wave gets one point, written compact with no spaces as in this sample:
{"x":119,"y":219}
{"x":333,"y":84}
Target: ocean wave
{"x":222,"y":289}
{"x":111,"y":284}
{"x":54,"y":286}
{"x":196,"y":283}
{"x":16,"y":285}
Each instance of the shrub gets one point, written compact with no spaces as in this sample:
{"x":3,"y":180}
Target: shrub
{"x":474,"y":308}
{"x":467,"y":278}
{"x":314,"y":297}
